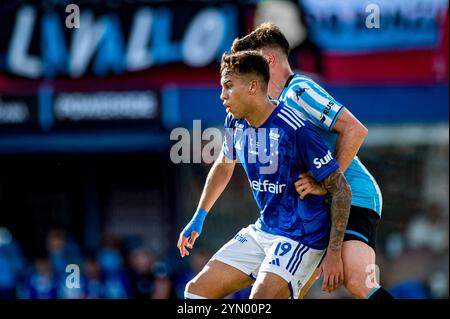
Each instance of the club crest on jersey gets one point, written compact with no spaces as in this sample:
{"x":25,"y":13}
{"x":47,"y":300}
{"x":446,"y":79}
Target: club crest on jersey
{"x":319,"y":162}
{"x":253,"y":146}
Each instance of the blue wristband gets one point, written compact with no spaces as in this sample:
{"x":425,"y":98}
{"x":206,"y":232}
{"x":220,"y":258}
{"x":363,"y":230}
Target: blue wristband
{"x":196,"y":223}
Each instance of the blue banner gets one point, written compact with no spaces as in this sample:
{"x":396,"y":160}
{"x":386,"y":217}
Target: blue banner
{"x":92,"y":39}
{"x":367,"y":25}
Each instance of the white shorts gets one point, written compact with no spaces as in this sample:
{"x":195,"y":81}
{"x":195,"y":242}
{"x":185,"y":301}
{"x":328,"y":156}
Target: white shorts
{"x":253,"y":251}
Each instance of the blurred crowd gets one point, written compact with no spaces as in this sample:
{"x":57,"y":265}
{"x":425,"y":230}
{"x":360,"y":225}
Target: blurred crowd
{"x":413,"y":263}
{"x":118,"y":270}
{"x":413,"y":260}
{"x":418,"y":257}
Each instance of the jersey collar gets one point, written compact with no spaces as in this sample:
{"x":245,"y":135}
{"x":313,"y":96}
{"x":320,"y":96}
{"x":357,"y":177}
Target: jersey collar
{"x":289,"y":79}
{"x":271,"y":116}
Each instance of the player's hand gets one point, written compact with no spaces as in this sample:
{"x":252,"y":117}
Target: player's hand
{"x":306,"y":184}
{"x":188,"y":242}
{"x":191,"y":232}
{"x":333,"y":271}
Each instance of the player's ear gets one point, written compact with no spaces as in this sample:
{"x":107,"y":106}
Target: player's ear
{"x":270,"y":58}
{"x":252,"y":87}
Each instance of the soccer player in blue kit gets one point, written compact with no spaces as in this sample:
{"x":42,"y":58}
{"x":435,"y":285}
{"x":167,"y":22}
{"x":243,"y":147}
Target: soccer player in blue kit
{"x":284,"y":247}
{"x":344,"y":135}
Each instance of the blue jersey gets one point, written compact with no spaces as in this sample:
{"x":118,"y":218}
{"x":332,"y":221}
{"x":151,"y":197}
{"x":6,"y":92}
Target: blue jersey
{"x":273,"y":156}
{"x":321,"y":109}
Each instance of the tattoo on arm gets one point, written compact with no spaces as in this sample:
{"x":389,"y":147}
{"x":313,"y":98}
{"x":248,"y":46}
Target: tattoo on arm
{"x":341,"y":194}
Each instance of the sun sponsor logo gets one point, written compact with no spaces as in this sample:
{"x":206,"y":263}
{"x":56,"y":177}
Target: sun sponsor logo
{"x":319,"y":162}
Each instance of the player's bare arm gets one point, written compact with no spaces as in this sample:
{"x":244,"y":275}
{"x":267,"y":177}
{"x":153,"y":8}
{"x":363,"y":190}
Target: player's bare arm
{"x":351,"y":135}
{"x":341,"y":193}
{"x":332,"y":265}
{"x":218,"y":178}
{"x":216,"y":181}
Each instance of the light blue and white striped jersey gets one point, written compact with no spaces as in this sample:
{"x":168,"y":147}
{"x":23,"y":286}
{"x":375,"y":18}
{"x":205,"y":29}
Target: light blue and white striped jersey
{"x":321,"y":109}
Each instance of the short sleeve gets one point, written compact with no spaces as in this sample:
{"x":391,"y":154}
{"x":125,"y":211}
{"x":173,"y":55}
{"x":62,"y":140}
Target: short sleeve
{"x":314,"y":153}
{"x":322,"y":109}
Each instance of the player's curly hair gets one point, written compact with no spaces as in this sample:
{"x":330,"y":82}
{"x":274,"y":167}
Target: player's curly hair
{"x":265,"y":35}
{"x":245,"y":62}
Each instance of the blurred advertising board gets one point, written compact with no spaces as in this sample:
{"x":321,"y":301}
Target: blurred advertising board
{"x":98,"y":39}
{"x":48,"y":110}
{"x":81,"y":122}
{"x":106,"y":106}
{"x":386,"y":41}
{"x":18,"y":111}
{"x":365,"y":25}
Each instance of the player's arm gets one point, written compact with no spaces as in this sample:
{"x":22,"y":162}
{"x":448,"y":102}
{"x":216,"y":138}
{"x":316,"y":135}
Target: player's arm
{"x":218,"y":178}
{"x":351,"y":135}
{"x":341,"y":198}
{"x":330,"y":115}
{"x":325,"y":169}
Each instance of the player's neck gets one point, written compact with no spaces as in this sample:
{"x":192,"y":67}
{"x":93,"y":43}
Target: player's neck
{"x":278,"y":79}
{"x":260,"y":113}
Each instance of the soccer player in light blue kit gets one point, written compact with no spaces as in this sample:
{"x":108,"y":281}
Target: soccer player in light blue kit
{"x":286,"y":244}
{"x":343,"y":134}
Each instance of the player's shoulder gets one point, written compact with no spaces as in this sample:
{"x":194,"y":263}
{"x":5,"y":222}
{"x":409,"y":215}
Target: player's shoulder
{"x":300,"y":84}
{"x":293,"y":123}
{"x":299,"y":80}
{"x":290,"y":119}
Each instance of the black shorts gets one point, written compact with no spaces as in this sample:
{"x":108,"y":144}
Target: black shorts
{"x":362,"y":225}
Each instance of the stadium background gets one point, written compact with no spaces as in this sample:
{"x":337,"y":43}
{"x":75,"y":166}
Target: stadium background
{"x":86,"y":113}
